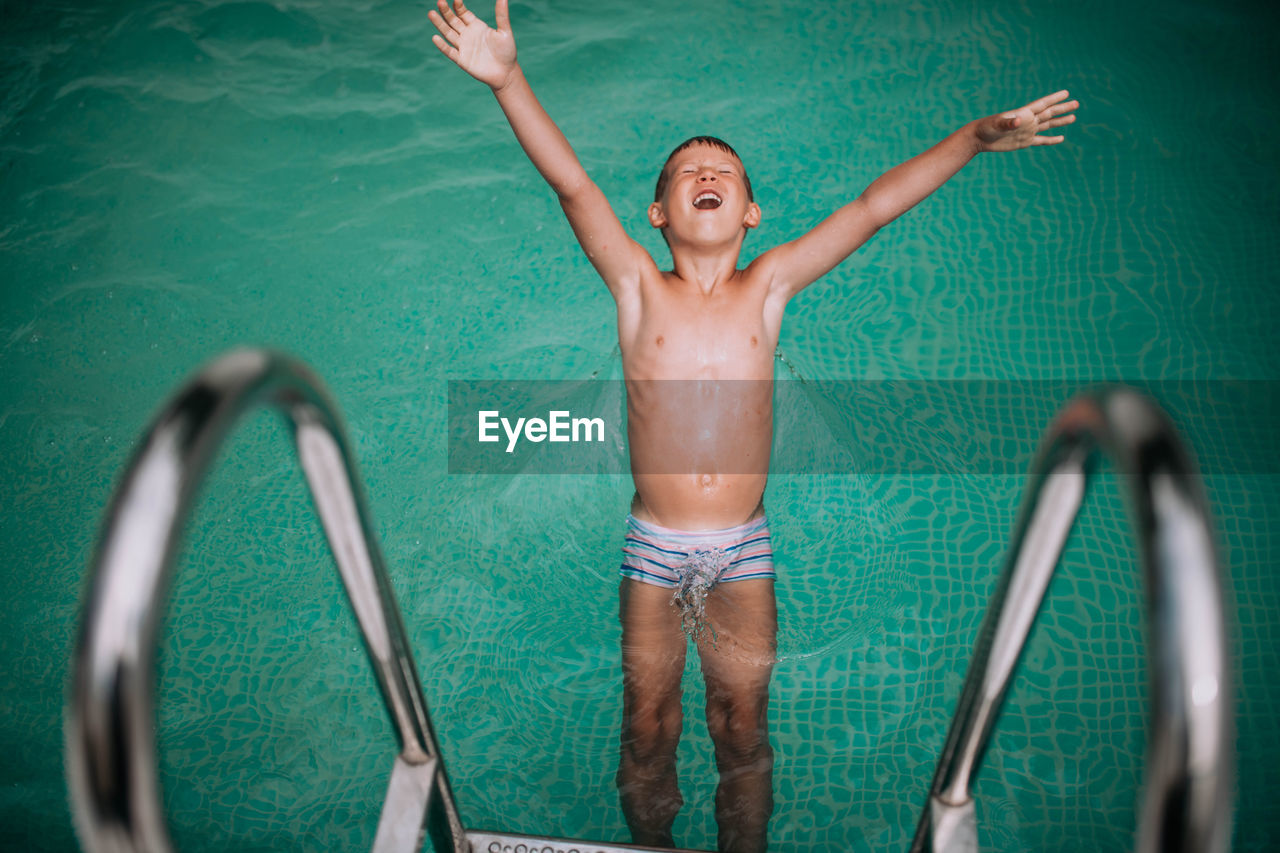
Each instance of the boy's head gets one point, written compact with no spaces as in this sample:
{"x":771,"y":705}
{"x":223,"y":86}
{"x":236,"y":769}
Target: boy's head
{"x":705,"y":175}
{"x":664,"y":177}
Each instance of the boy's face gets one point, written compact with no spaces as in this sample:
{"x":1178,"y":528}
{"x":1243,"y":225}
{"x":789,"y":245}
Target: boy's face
{"x":706,"y":198}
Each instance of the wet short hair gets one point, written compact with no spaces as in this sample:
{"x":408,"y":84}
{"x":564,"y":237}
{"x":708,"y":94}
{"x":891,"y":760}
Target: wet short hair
{"x":664,"y":178}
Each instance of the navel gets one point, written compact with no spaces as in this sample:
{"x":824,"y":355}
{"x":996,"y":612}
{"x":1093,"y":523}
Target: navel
{"x":753,"y":340}
{"x":659,"y":341}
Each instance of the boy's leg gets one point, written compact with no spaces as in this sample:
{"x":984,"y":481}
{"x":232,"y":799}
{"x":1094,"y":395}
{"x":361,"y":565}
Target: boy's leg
{"x":737,"y":668}
{"x":653,"y":650}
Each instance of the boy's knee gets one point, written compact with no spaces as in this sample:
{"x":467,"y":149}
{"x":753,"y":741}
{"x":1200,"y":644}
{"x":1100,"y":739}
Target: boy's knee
{"x":654,"y":734}
{"x":739,"y":730}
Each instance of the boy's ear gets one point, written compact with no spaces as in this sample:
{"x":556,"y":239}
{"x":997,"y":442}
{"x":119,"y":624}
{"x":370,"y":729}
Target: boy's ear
{"x":657,"y":216}
{"x":752,"y":218}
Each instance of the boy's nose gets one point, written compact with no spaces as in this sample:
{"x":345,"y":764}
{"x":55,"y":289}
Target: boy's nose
{"x":707,"y":176}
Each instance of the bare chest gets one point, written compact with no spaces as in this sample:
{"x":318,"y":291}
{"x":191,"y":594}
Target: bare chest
{"x":691,"y":335}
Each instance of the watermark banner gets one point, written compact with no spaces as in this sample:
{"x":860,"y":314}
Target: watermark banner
{"x":890,"y":427}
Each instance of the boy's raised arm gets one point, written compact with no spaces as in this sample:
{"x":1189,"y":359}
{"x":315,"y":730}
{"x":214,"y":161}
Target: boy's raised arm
{"x":489,"y":55}
{"x":795,"y":265}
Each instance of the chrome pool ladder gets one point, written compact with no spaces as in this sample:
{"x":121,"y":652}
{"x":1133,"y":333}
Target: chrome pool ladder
{"x":1186,"y":802}
{"x":111,"y":751}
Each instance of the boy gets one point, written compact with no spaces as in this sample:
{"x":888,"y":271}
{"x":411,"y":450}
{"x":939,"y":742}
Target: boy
{"x":697,"y":542}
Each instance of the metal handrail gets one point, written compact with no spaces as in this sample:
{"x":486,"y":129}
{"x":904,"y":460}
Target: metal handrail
{"x":111,"y":751}
{"x":1186,"y":806}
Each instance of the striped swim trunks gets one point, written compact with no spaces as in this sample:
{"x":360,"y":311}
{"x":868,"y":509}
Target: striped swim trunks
{"x":690,"y":563}
{"x":662,"y":555}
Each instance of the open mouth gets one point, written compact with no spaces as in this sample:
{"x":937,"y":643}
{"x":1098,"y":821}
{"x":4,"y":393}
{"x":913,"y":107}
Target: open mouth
{"x":707,"y":200}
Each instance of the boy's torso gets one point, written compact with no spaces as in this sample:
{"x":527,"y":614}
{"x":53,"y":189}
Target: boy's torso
{"x":699,"y":374}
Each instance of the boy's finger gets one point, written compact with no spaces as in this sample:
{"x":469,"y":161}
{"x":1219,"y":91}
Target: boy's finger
{"x":1059,"y":109}
{"x":447,"y":13}
{"x":1041,"y":103}
{"x":503,"y":14}
{"x":445,"y":30}
{"x":1047,"y":140}
{"x":451,"y":52}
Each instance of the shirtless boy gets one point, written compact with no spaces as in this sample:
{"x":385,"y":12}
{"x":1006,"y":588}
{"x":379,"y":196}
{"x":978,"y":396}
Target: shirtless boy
{"x":696,"y":534}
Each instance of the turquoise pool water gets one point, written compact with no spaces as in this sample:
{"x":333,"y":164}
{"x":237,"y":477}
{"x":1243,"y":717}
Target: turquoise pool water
{"x":178,"y":178}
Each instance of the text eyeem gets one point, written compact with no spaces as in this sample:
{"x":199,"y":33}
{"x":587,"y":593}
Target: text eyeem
{"x":558,"y":426}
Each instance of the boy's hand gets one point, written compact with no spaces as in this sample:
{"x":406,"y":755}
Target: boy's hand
{"x":1019,"y":128}
{"x":486,"y":54}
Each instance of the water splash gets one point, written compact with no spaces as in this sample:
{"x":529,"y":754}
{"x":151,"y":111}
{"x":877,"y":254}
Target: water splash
{"x":694,"y":580}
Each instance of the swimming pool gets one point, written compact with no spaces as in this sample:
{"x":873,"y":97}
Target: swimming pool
{"x":183,"y":177}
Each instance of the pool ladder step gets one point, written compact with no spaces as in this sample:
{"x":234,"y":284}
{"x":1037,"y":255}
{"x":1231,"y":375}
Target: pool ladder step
{"x":110,"y":720}
{"x":500,"y":842}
